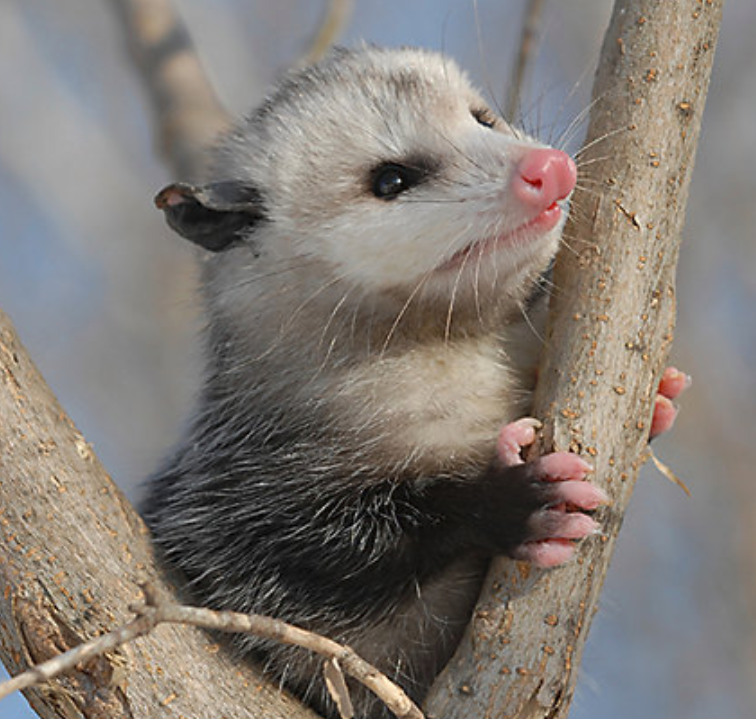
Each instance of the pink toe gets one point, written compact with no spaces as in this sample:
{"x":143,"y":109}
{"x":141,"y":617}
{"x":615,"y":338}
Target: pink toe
{"x":561,"y":466}
{"x":581,"y":495}
{"x":548,"y":553}
{"x":664,"y":416}
{"x":575,"y":525}
{"x":674,"y":383}
{"x":513,"y":437}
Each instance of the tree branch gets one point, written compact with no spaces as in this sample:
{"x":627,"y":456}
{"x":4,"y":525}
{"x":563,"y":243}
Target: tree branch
{"x":188,"y":115}
{"x":334,"y":21}
{"x":611,"y":326}
{"x":72,"y":552}
{"x":530,"y":24}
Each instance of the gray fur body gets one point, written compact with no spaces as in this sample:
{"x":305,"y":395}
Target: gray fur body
{"x":360,"y":364}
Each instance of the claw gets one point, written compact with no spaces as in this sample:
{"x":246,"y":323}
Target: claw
{"x":513,"y":437}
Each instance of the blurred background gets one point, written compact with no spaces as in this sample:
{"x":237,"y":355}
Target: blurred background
{"x":102,"y":293}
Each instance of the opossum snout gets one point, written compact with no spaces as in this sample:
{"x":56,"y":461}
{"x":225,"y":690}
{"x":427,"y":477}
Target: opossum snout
{"x":543,"y":177}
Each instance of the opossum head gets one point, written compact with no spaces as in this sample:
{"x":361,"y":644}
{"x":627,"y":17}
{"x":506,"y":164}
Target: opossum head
{"x":382,"y":171}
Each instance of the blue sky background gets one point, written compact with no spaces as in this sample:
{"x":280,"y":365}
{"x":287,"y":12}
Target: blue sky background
{"x":102,"y":294}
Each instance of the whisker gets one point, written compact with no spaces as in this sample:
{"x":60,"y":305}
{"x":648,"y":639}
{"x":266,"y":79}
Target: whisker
{"x":332,"y":316}
{"x":587,"y":163}
{"x":523,"y":311}
{"x":452,"y":299}
{"x":561,"y":142}
{"x":402,"y":312}
{"x":597,"y":140}
{"x":487,"y":76}
{"x":476,"y":289}
{"x":569,"y":131}
{"x":591,"y":190}
{"x":301,"y":262}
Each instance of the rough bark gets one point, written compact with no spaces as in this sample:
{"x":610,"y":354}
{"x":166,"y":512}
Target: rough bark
{"x":72,"y":550}
{"x":611,"y":326}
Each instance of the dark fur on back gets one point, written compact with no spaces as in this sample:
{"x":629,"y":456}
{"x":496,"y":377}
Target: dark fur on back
{"x":281,"y":522}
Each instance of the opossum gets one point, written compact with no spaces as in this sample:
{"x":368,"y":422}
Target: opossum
{"x":377,"y":239}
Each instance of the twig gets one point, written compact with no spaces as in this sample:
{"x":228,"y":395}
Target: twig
{"x":188,"y":114}
{"x":50,"y":669}
{"x":666,"y":470}
{"x":530,"y":24}
{"x":158,"y":610}
{"x":334,"y":20}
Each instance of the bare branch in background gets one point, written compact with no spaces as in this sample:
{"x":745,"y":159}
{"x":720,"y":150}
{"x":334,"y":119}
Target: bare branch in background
{"x":611,"y":327}
{"x":335,"y":18}
{"x":188,"y":114}
{"x":528,"y":41}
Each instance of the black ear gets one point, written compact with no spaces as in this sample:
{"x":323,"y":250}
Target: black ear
{"x":212,"y":216}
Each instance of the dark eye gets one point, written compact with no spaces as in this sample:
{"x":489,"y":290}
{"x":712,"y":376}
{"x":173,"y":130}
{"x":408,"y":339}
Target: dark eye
{"x":390,"y":180}
{"x":484,"y":116}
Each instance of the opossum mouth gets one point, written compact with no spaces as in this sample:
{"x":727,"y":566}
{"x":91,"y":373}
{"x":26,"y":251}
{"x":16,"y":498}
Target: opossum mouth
{"x":544,"y":222}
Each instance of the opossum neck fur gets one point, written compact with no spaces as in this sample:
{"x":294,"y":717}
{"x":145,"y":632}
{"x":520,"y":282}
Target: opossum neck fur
{"x":421,"y":382}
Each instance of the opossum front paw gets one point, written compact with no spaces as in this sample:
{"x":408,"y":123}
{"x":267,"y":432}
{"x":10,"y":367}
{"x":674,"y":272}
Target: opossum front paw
{"x":673,"y":384}
{"x":557,"y":524}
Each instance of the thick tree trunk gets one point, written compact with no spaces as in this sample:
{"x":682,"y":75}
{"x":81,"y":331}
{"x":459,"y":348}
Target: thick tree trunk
{"x":611,"y":326}
{"x":71,"y":554}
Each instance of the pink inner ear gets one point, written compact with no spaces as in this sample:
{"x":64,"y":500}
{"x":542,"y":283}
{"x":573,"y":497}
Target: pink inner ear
{"x":174,"y":194}
{"x":171,"y":199}
{"x":171,"y":196}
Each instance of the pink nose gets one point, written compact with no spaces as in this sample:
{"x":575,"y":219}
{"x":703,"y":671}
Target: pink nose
{"x":543,"y":177}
